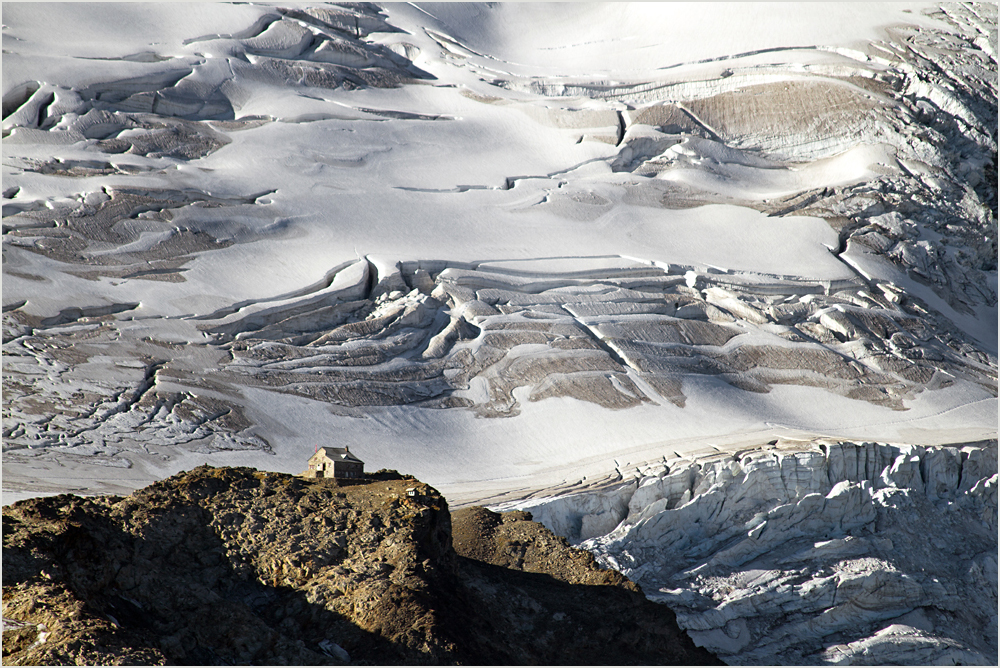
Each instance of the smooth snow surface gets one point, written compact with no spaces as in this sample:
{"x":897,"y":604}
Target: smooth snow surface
{"x":517,"y":250}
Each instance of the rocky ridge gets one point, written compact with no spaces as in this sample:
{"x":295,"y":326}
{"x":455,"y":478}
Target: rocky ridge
{"x":231,"y":565}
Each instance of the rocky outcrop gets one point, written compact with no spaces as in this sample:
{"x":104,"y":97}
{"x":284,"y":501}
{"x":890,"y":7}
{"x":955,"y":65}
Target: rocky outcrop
{"x":815,"y":553}
{"x":221,"y":565}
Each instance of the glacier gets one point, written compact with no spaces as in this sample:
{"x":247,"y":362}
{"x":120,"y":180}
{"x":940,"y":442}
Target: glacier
{"x":820,"y":552}
{"x":711,"y":288}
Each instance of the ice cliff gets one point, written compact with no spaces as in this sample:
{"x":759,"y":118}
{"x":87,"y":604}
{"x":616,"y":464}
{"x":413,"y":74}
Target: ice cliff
{"x":833,"y":553}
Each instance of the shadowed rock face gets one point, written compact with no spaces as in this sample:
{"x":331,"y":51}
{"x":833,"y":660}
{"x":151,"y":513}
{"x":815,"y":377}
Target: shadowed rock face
{"x":223,"y":566}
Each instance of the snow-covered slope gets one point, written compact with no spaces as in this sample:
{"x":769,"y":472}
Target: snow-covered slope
{"x":514,"y":249}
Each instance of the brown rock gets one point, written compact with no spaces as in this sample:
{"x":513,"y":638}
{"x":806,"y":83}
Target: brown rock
{"x":227,"y":565}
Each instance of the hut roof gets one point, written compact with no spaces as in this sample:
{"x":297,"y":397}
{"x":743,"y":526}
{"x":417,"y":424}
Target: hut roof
{"x":343,"y":454}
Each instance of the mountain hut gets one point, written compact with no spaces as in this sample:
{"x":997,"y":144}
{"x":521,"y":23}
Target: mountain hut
{"x":334,"y":463}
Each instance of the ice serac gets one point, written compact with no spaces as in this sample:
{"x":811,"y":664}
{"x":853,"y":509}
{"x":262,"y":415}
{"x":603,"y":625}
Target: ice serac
{"x":614,"y":331}
{"x":816,"y":553}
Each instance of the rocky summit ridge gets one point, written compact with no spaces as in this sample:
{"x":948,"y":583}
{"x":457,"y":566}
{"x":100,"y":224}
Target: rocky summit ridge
{"x":222,"y":566}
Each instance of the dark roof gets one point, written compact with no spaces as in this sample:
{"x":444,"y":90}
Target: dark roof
{"x":342,"y":454}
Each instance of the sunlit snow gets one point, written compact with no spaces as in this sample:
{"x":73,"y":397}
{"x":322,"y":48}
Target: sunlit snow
{"x":521,"y":251}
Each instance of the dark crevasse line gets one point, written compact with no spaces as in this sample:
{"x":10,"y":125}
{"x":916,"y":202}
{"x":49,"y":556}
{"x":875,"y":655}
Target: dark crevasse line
{"x":77,"y":313}
{"x":323,"y":284}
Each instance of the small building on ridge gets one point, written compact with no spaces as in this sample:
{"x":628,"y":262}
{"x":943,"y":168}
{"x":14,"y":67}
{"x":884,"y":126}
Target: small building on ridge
{"x":334,"y":463}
